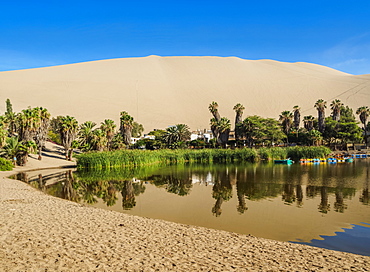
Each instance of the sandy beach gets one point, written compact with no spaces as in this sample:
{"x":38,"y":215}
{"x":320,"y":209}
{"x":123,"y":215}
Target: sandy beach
{"x":39,"y":232}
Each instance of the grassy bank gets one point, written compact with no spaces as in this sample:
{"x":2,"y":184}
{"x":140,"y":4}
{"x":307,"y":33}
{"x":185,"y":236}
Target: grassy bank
{"x":135,"y":158}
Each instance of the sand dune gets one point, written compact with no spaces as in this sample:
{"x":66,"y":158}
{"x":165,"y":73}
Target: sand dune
{"x":163,"y":91}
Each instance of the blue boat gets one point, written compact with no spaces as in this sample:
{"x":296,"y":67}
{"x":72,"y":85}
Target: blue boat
{"x":287,"y":161}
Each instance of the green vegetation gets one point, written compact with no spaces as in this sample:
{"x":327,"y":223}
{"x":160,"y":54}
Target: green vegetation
{"x":5,"y":165}
{"x":26,"y":132}
{"x":135,"y":158}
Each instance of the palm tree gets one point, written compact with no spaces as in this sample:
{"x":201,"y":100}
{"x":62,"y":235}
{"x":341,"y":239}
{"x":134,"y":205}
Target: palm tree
{"x":286,"y":119}
{"x":177,"y":133}
{"x":238,"y":108}
{"x":223,"y":127}
{"x":320,"y":105}
{"x":68,"y":128}
{"x":3,"y":136}
{"x":315,"y":137}
{"x":43,"y":128}
{"x":25,"y":148}
{"x":17,"y":151}
{"x":11,"y":148}
{"x":364,"y":113}
{"x":10,"y":117}
{"x":213,"y":108}
{"x":11,"y":120}
{"x":85,"y":135}
{"x":126,"y":127}
{"x":171,"y":136}
{"x":183,"y":132}
{"x":137,"y":130}
{"x":108,"y":126}
{"x":336,"y":106}
{"x":308,"y":122}
{"x":297,"y":116}
{"x":28,"y":121}
{"x":99,"y":139}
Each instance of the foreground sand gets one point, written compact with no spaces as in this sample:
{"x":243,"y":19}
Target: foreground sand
{"x":43,"y":233}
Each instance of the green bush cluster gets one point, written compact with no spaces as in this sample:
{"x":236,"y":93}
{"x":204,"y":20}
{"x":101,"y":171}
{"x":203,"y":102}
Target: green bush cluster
{"x":5,"y":165}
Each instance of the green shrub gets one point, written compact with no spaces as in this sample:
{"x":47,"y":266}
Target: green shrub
{"x":5,"y":165}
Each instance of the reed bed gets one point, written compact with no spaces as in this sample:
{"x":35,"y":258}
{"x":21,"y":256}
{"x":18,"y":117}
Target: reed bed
{"x":136,"y":158}
{"x":307,"y":152}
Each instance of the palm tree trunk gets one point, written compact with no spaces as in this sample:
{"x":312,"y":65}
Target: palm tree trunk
{"x":365,"y":134}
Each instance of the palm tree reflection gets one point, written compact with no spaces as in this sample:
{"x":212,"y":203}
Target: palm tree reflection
{"x":222,"y":191}
{"x":128,"y":196}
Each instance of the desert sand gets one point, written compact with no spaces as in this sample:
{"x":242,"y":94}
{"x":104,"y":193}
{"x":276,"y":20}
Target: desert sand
{"x":39,"y":232}
{"x":163,"y":91}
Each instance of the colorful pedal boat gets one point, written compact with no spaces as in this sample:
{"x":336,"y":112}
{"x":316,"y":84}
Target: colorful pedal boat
{"x":287,"y":161}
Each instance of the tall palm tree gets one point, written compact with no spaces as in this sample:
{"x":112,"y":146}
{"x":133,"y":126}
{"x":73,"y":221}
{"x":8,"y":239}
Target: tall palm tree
{"x":238,"y":108}
{"x":126,"y":127}
{"x":42,"y":130}
{"x":99,"y":139}
{"x":85,"y":135}
{"x":28,"y":122}
{"x":308,"y":122}
{"x":213,"y":123}
{"x":223,"y":127}
{"x":320,"y":105}
{"x":10,"y":117}
{"x":286,"y":119}
{"x":68,"y":128}
{"x":364,"y":113}
{"x":213,"y":108}
{"x":297,"y":116}
{"x":108,"y":126}
{"x":3,"y":136}
{"x":336,"y":106}
{"x":11,"y":121}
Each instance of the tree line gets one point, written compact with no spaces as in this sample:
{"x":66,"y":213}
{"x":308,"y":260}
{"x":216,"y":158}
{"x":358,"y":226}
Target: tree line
{"x":339,"y":128}
{"x":26,"y":132}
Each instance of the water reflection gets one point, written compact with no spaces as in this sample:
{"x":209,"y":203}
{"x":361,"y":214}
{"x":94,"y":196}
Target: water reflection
{"x":252,"y":182}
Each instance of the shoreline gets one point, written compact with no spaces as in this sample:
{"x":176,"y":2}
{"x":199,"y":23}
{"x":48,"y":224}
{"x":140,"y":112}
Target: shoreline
{"x":41,"y":232}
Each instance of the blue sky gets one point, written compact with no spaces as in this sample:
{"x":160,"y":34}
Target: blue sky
{"x":46,"y":33}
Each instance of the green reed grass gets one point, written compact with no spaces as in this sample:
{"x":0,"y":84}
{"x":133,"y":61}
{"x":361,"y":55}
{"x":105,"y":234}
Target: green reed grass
{"x":135,"y":158}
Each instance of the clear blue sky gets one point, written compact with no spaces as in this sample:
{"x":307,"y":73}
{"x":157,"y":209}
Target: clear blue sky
{"x":45,"y":33}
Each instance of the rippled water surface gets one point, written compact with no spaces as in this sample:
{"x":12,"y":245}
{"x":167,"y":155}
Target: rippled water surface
{"x":322,"y":205}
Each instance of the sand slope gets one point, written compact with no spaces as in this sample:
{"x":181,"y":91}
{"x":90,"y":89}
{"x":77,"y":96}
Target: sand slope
{"x":163,"y":91}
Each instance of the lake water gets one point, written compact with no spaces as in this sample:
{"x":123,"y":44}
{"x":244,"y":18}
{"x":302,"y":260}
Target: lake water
{"x":326,"y":205}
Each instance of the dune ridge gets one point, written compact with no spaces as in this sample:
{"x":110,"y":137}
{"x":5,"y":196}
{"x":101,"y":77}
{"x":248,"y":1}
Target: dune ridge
{"x":163,"y":91}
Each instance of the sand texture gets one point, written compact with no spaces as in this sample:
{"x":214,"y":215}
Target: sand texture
{"x":43,"y":233}
{"x":163,"y":91}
